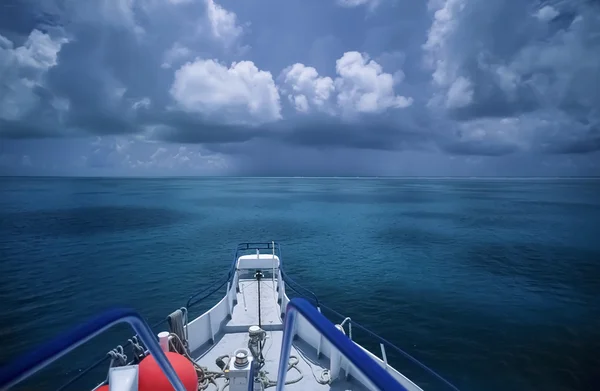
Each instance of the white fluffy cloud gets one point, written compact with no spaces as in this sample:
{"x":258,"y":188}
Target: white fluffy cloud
{"x":23,"y":69}
{"x":223,"y":23}
{"x":360,"y":87}
{"x":438,"y":52}
{"x":239,"y":94}
{"x":363,"y":86}
{"x":308,"y":89}
{"x":501,"y":77}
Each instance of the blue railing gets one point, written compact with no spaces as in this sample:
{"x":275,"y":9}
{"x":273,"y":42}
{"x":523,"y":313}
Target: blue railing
{"x":26,"y":365}
{"x":376,"y":374}
{"x":308,"y":294}
{"x":396,"y":349}
{"x":293,"y":285}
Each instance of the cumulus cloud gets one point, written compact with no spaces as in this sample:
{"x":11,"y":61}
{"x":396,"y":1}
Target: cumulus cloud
{"x":25,"y":101}
{"x":307,"y":88}
{"x":364,"y":87}
{"x":360,"y":87}
{"x":459,"y":77}
{"x":223,"y":23}
{"x":480,"y":69}
{"x":239,"y":94}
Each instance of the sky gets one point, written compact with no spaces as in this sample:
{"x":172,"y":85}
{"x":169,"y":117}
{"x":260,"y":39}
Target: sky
{"x":300,"y":87}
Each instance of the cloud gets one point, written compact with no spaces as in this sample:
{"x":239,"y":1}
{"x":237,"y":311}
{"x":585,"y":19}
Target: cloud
{"x":24,"y":70}
{"x":223,"y":23}
{"x":546,"y":13}
{"x":360,"y":87}
{"x":481,"y":69}
{"x":495,"y":79}
{"x":460,"y":93}
{"x":176,"y":53}
{"x":239,"y":94}
{"x":307,"y":89}
{"x":371,"y":4}
{"x":364,"y":87}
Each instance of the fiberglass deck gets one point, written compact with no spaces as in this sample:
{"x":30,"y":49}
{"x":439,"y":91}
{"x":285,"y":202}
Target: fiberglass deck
{"x":245,"y":311}
{"x":227,"y":343}
{"x":234,"y":335}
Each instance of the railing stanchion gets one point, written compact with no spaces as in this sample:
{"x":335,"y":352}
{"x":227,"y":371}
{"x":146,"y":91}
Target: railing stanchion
{"x":383,"y":355}
{"x":286,"y":346}
{"x":354,"y":355}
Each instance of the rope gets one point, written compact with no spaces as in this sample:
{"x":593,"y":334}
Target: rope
{"x":205,"y":377}
{"x":324,"y":376}
{"x":138,"y":350}
{"x":266,"y":382}
{"x":117,"y":356}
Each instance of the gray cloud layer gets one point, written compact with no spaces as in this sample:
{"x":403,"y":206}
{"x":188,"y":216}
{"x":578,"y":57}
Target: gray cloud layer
{"x":453,"y":77}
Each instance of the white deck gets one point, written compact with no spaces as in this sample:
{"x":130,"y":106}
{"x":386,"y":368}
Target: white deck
{"x":245,"y":312}
{"x":234,"y":335}
{"x":227,"y":343}
{"x":224,"y":329}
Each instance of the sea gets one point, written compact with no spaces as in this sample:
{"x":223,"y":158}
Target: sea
{"x":494,"y":283}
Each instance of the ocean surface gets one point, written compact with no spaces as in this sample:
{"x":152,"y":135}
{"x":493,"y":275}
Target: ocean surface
{"x":494,"y":283}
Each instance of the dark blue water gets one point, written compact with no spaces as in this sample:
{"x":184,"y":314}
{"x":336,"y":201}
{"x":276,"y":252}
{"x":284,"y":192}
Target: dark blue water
{"x":493,"y":283}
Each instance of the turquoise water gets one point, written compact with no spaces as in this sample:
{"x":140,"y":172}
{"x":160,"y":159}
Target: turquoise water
{"x":494,"y":283}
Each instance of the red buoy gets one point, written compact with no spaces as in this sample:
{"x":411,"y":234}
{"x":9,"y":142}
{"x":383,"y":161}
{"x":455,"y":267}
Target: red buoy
{"x":152,"y":378}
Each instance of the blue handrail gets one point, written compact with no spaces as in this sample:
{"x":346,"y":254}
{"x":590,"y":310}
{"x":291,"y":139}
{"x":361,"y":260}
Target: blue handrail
{"x":301,"y":290}
{"x":26,"y":365}
{"x":100,"y":361}
{"x":296,"y":287}
{"x":369,"y":368}
{"x":397,"y":349}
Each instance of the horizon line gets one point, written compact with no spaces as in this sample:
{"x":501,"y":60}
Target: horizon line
{"x":305,"y":176}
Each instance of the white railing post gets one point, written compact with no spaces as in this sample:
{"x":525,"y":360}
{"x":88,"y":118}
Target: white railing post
{"x":229,"y":303}
{"x":210,"y":328}
{"x":319,"y":346}
{"x":383,"y":355}
{"x":335,"y":363}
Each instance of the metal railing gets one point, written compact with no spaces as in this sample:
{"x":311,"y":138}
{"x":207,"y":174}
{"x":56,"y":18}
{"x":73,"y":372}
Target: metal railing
{"x":385,"y":343}
{"x":24,"y":366}
{"x":241,"y":248}
{"x":192,"y":301}
{"x":303,"y":292}
{"x":311,"y":296}
{"x":377,"y":375}
{"x":101,"y":361}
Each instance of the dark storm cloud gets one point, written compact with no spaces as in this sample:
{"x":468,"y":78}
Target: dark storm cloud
{"x":182,"y":127}
{"x":318,"y":133}
{"x":366,"y":133}
{"x":479,"y":148}
{"x":585,"y":145}
{"x":503,"y":78}
{"x":519,"y":59}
